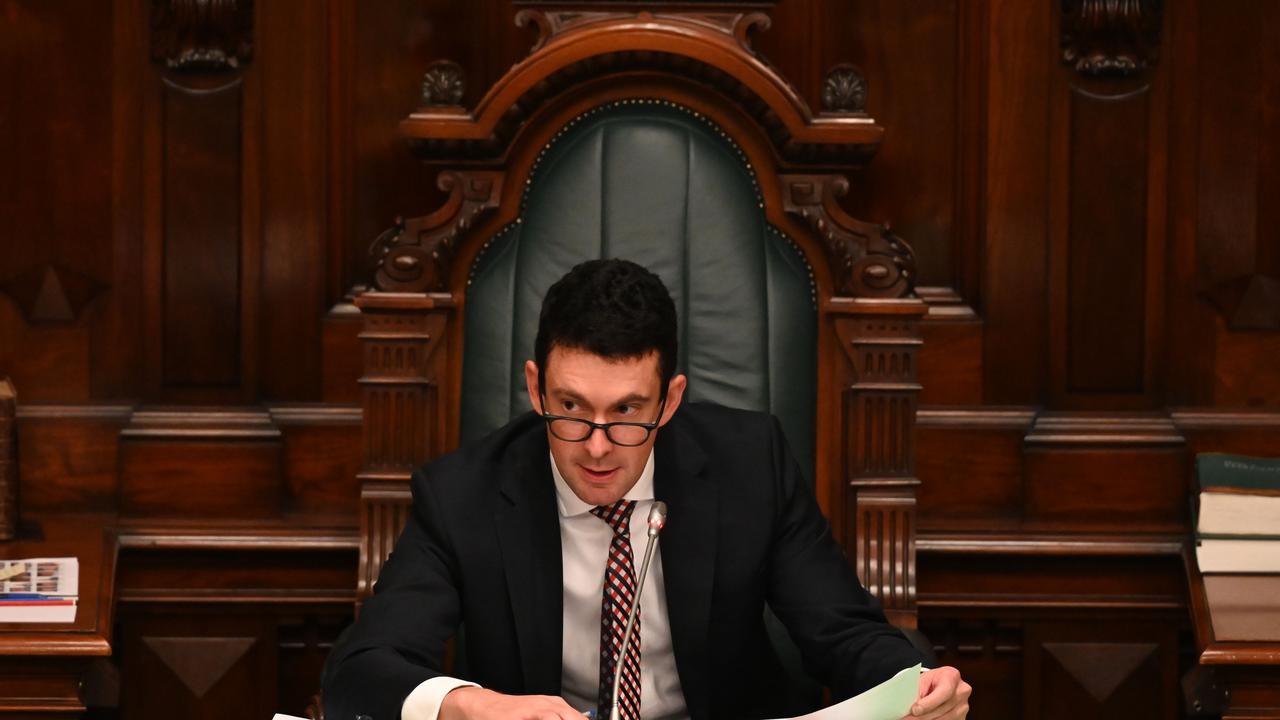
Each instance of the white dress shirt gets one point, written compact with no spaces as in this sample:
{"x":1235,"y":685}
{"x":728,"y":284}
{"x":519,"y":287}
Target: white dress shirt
{"x":584,"y":548}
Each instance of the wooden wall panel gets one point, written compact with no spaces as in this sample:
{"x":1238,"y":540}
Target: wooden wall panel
{"x":200,"y":183}
{"x":1066,"y":225}
{"x":1106,"y":258}
{"x":294,"y":172}
{"x":1016,"y":202}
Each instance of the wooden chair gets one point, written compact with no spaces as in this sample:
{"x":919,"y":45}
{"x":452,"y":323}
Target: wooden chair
{"x":665,"y":139}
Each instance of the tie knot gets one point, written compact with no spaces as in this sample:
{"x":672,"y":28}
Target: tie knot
{"x":616,"y":515}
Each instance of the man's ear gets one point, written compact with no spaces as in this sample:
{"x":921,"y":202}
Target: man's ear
{"x":531,"y":384}
{"x":675,"y":393}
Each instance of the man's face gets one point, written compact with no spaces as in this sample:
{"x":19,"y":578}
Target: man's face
{"x":582,"y":385}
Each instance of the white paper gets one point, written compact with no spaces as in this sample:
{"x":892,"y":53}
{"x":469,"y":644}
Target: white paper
{"x":890,"y":700}
{"x":282,"y":716}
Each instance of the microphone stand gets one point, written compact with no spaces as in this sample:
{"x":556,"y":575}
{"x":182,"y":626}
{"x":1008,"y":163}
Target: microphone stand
{"x":657,"y":518}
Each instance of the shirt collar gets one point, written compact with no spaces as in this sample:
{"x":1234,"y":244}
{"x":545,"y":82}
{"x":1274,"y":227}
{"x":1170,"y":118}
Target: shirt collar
{"x":571,"y":505}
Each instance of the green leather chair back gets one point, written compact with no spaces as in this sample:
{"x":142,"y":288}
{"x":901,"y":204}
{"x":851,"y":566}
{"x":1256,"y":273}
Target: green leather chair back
{"x":651,"y":182}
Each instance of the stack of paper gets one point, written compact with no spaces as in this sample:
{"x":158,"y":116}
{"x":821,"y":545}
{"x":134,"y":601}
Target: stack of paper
{"x":39,"y":590}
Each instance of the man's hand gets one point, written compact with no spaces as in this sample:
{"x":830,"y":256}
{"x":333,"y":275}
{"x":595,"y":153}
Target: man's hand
{"x":942,"y":696}
{"x":473,"y":703}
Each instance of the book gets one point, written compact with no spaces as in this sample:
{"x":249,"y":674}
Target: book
{"x":1238,"y":555}
{"x":39,"y":590}
{"x":1239,"y":496}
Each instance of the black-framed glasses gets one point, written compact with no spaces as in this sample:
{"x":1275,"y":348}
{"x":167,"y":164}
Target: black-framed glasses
{"x":624,"y":434}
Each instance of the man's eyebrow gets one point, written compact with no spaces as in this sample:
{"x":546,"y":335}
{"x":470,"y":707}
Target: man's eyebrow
{"x":633,"y":398}
{"x":566,"y":394}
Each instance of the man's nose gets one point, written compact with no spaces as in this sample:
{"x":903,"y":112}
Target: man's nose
{"x":598,"y":444}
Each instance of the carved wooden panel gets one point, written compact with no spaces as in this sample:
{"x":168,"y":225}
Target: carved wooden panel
{"x":1070,"y":674}
{"x":196,"y":662}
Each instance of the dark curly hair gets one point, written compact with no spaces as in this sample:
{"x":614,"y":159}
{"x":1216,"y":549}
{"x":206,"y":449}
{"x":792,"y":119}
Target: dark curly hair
{"x":612,"y":308}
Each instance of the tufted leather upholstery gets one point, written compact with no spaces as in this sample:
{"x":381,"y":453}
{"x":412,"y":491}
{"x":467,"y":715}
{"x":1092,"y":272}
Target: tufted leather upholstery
{"x":651,"y":183}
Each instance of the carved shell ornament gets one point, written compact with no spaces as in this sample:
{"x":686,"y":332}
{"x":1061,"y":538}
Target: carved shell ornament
{"x":443,"y":84}
{"x":844,"y":90}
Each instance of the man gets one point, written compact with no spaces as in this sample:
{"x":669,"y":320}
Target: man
{"x":533,"y":539}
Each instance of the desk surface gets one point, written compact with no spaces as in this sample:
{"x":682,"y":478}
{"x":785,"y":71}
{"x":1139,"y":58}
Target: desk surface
{"x":88,"y":538}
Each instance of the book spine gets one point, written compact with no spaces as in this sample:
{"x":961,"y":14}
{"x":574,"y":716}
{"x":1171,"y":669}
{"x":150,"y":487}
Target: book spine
{"x":1219,"y":472}
{"x":8,"y":462}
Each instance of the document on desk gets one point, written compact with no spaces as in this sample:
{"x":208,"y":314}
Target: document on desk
{"x":890,"y":700}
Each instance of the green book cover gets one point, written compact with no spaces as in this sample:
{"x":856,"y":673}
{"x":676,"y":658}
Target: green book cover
{"x":1220,"y":470}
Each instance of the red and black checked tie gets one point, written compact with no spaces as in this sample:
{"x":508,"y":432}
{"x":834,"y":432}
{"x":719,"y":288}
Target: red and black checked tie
{"x":619,"y":592}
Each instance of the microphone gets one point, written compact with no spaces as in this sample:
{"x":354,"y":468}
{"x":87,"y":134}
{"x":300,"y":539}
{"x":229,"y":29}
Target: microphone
{"x":657,"y":519}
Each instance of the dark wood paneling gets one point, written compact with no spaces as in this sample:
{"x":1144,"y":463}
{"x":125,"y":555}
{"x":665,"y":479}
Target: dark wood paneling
{"x":202,"y":258}
{"x":970,"y":471}
{"x":69,"y":463}
{"x":1106,"y":258}
{"x":1016,"y":252}
{"x":951,"y":362}
{"x":1122,"y":489}
{"x":909,"y":55}
{"x":293,"y":190}
{"x":169,"y":477}
{"x":321,"y":463}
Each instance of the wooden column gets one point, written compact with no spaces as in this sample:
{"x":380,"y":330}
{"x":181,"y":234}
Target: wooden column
{"x":881,"y":338}
{"x":403,"y":338}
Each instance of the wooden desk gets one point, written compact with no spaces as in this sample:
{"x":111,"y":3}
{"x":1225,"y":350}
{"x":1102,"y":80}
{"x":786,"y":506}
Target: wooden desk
{"x":1237,"y":624}
{"x":42,"y":665}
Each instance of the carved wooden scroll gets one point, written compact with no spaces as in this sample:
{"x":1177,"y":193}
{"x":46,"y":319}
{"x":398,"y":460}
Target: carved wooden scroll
{"x":866,"y":260}
{"x":415,"y":255}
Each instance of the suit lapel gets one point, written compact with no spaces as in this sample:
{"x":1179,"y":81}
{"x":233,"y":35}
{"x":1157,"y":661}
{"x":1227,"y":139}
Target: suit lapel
{"x":688,"y":547}
{"x":529,"y":533}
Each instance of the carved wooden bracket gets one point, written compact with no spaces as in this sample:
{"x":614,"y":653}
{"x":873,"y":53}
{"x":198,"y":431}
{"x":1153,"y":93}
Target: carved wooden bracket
{"x":415,"y":254}
{"x":867,"y":260}
{"x":202,"y":35}
{"x":1110,"y":37}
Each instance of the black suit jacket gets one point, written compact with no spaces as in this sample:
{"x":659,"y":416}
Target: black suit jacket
{"x":482,"y":547}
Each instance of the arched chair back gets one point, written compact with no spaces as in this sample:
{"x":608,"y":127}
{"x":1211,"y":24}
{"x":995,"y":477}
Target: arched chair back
{"x":651,"y":182}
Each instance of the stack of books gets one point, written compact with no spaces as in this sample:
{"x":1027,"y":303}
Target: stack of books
{"x":1238,"y":514}
{"x":39,"y":590}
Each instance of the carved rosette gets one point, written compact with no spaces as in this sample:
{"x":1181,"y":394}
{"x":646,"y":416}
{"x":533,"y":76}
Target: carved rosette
{"x":867,"y":260}
{"x":844,"y":90}
{"x":202,"y":35}
{"x":1110,"y":37}
{"x":443,"y":84}
{"x":415,"y":254}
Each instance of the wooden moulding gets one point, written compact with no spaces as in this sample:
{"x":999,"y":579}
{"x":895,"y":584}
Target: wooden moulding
{"x":8,"y":461}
